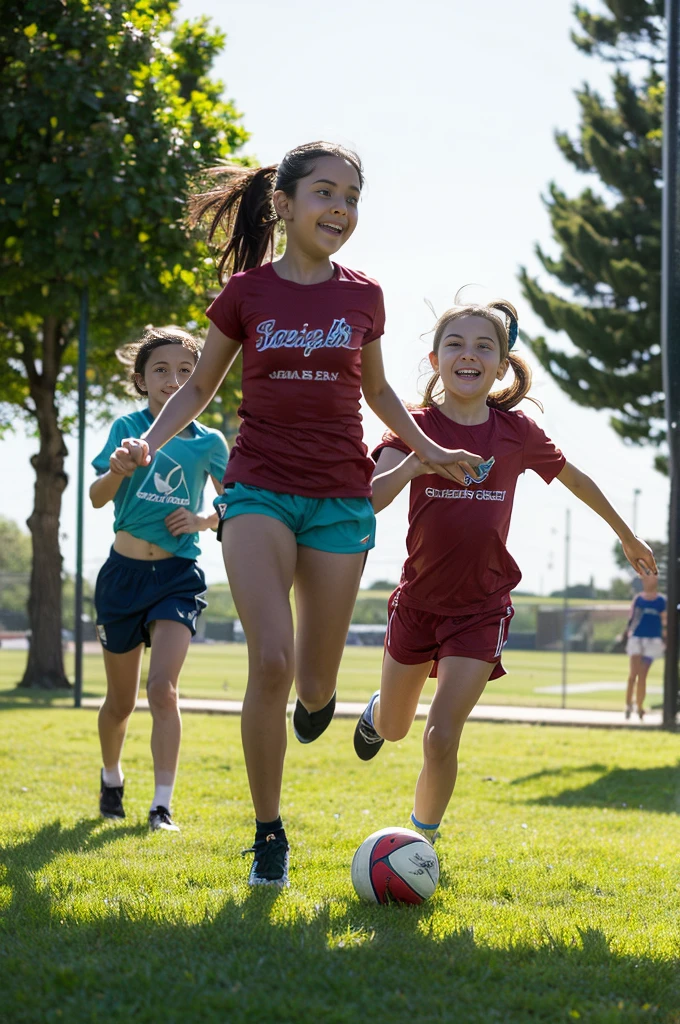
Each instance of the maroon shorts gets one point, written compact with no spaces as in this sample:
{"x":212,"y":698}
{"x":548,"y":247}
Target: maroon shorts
{"x":414,"y":637}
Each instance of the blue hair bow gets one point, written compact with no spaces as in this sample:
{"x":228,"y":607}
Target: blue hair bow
{"x":512,"y":332}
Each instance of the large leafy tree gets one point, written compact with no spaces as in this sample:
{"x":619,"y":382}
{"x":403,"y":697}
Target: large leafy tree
{"x":107,"y":114}
{"x":605,"y":292}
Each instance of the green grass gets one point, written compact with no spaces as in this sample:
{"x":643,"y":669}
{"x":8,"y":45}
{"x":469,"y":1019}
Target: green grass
{"x":220,"y":670}
{"x":558,"y":901}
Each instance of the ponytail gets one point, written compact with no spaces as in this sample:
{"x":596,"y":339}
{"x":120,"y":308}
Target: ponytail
{"x":242,"y":207}
{"x":509,"y":397}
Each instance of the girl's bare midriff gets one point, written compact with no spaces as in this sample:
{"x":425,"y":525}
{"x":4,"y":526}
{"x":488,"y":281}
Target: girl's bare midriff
{"x":134,"y":547}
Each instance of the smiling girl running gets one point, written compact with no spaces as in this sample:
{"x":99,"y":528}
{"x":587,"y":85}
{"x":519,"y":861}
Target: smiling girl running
{"x":297,"y":511}
{"x":450,"y":614}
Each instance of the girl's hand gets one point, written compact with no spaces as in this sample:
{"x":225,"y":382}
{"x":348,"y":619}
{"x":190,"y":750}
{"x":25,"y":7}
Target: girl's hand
{"x":138,"y":451}
{"x":640,"y":556}
{"x":183,"y":521}
{"x":121,"y":464}
{"x":451,"y":464}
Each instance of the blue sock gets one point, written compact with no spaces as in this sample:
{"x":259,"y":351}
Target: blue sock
{"x":368,"y":713}
{"x":425,"y":828}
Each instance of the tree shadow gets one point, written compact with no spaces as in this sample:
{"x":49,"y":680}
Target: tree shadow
{"x":261,"y":957}
{"x":22,"y":861}
{"x":652,"y":789}
{"x":12,"y":697}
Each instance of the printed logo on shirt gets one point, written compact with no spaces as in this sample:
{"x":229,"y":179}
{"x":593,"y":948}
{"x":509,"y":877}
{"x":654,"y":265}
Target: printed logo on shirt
{"x":304,"y":375}
{"x":339,"y":336}
{"x":465,"y":495}
{"x":165,"y":482}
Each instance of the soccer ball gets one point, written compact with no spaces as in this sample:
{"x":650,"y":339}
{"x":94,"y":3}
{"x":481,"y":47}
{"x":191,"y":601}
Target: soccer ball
{"x":395,"y":865}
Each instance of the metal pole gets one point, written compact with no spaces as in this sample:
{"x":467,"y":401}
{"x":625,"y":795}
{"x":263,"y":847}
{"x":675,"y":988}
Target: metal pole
{"x":636,"y":494}
{"x":82,"y":386}
{"x":670,"y":342}
{"x":565,"y":608}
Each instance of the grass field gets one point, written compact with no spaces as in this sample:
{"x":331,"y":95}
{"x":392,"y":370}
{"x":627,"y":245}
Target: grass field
{"x":219,"y":670}
{"x":559,"y":898}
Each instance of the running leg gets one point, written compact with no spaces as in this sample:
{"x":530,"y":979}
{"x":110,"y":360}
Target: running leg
{"x":460,"y":684}
{"x":260,"y":555}
{"x":169,"y":645}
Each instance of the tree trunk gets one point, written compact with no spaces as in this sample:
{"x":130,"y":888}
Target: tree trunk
{"x":45,"y":665}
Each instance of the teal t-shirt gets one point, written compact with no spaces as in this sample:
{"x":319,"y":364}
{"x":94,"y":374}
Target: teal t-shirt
{"x":175,"y":479}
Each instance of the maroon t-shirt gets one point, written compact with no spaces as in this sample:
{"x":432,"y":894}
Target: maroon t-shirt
{"x":457,"y":559}
{"x":301,"y":429}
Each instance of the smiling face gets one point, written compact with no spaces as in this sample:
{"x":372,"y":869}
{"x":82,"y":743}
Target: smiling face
{"x":468,"y":358}
{"x":323,"y":213}
{"x":167,"y":368}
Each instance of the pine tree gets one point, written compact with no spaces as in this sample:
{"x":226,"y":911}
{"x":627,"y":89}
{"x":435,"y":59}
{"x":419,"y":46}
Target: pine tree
{"x":607,"y":276}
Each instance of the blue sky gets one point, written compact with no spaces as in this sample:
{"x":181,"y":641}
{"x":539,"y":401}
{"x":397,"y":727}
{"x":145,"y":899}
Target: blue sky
{"x":452,"y":107}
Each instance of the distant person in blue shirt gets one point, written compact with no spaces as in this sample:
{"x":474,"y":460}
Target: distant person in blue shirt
{"x":646,"y":636}
{"x":148,"y":592}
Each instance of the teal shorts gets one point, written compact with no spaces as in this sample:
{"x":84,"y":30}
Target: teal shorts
{"x":343,"y":525}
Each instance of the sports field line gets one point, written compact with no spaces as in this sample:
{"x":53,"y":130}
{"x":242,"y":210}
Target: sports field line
{"x":506,"y":713}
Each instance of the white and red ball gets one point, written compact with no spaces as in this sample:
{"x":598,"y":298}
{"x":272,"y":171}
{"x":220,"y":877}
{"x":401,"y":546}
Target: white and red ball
{"x":395,"y":865}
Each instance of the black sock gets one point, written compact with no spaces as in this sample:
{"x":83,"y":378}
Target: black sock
{"x":324,"y":711}
{"x":268,"y":828}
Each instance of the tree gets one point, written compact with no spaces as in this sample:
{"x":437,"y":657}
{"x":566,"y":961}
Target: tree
{"x":107,"y":115}
{"x":15,"y":566}
{"x":608,"y":271}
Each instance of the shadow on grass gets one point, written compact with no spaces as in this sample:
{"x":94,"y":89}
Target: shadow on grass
{"x":33,"y":697}
{"x":653,"y":789}
{"x":260,"y":956}
{"x":22,"y":861}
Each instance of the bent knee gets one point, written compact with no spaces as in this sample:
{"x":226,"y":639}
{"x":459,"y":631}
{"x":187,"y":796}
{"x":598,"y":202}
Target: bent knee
{"x":392,"y":728}
{"x":440,"y":743}
{"x":161,"y":694}
{"x":118,"y":708}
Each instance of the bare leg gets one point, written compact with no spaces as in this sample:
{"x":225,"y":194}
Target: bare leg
{"x":326,"y":586}
{"x":122,"y":685}
{"x":260,"y":555}
{"x":460,"y":684}
{"x":635,"y":662}
{"x":400,"y":690}
{"x":642,"y":684}
{"x":169,"y":645}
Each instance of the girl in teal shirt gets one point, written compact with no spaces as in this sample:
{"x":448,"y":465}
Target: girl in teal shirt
{"x":148,"y":592}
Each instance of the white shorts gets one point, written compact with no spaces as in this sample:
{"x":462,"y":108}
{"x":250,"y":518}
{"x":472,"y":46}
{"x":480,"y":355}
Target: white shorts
{"x":647,"y":646}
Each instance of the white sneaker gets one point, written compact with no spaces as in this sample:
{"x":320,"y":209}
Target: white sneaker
{"x":160,"y":820}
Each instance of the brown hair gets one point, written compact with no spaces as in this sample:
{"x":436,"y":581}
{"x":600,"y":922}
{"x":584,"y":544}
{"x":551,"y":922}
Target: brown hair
{"x":136,"y":355}
{"x":242,"y":206}
{"x":503,"y":316}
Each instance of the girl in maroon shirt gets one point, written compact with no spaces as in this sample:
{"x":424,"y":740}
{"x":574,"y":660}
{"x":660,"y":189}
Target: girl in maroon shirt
{"x":296,"y":510}
{"x":450,"y":614}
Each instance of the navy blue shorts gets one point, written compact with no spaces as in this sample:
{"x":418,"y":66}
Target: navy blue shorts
{"x":132,"y":593}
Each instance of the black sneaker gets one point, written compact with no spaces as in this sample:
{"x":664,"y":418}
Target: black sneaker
{"x":110,"y":800}
{"x":367,"y":742}
{"x":308,"y":725}
{"x":161,"y":821}
{"x":270,"y":866}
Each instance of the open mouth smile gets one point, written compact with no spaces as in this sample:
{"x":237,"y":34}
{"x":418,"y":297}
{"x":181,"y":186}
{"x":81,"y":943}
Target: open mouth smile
{"x":332,"y":229}
{"x":470,"y":374}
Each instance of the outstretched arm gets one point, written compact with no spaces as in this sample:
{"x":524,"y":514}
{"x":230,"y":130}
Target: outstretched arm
{"x":392,"y":473}
{"x":386,"y":404}
{"x":215,"y":360}
{"x":638,"y":553}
